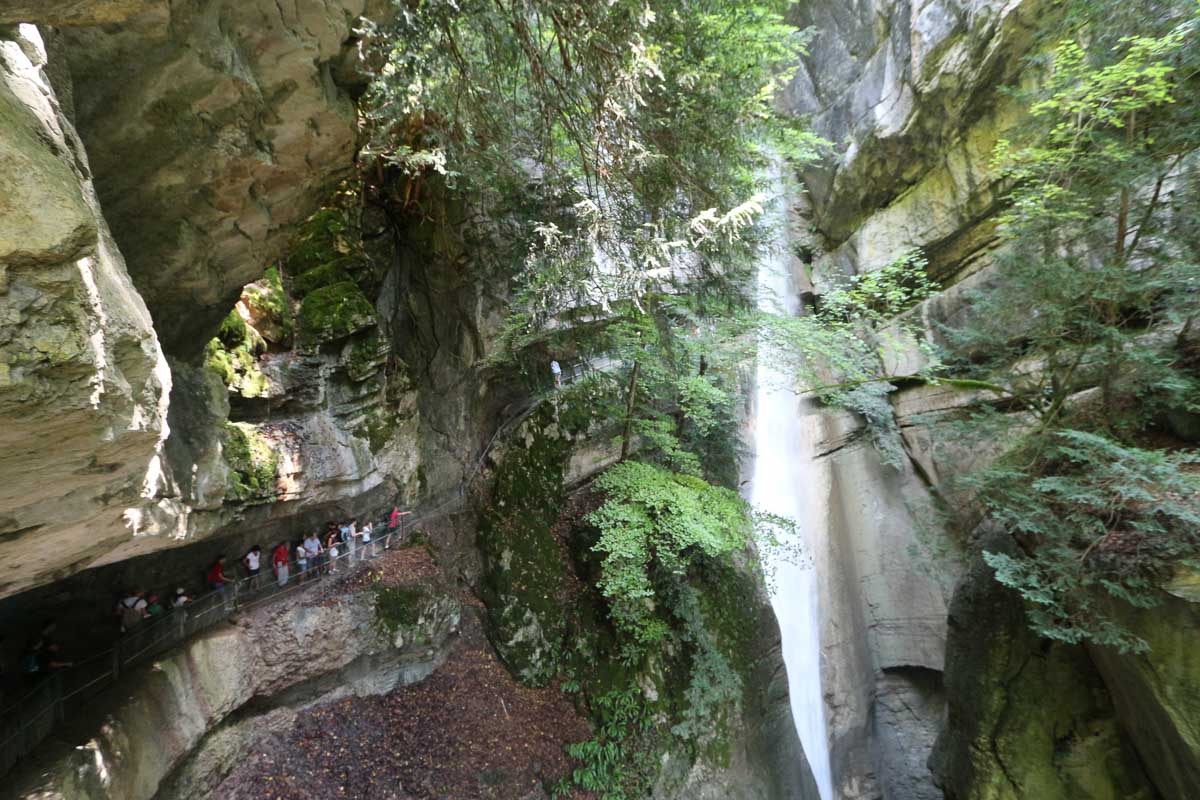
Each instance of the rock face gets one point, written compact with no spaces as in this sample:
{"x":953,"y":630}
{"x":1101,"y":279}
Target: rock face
{"x":283,"y":654}
{"x":80,"y":367}
{"x":1157,"y":695}
{"x":214,"y":129}
{"x":883,"y":616}
{"x":217,"y":127}
{"x":1027,"y":718}
{"x":908,"y":94}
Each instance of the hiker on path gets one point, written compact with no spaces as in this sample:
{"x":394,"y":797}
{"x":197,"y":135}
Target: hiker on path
{"x":557,"y":370}
{"x":313,"y":551}
{"x":349,"y":532}
{"x":394,"y":525}
{"x":252,"y":561}
{"x":132,"y":610}
{"x":154,"y":605}
{"x":366,"y":546}
{"x":216,"y":576}
{"x":279,"y":561}
{"x":331,"y":545}
{"x":302,"y":563}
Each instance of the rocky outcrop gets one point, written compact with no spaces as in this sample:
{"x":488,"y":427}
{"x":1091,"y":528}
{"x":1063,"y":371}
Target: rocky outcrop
{"x":1027,"y":718}
{"x":83,"y":384}
{"x":283,"y":655}
{"x":883,"y":590}
{"x":1157,"y":694}
{"x":214,"y":128}
{"x":906,"y":93}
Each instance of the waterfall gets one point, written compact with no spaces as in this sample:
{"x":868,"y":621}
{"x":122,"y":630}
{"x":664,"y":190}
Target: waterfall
{"x":783,"y":483}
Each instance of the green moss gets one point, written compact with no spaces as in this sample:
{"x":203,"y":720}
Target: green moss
{"x":322,"y":275}
{"x":332,"y":313}
{"x":377,"y":428}
{"x":399,"y":606}
{"x":233,"y":354}
{"x":524,"y":564}
{"x":728,"y":597}
{"x":365,"y":355}
{"x":270,"y":301}
{"x":253,"y":463}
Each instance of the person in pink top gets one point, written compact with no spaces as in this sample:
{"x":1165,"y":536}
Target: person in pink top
{"x":393,"y":525}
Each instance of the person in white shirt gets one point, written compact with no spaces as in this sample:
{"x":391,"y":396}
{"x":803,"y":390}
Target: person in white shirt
{"x":252,"y":561}
{"x":557,"y":370}
{"x":132,"y":610}
{"x":367,"y":550}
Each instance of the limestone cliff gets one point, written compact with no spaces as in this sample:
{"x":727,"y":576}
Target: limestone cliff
{"x":214,"y":130}
{"x":83,"y":383}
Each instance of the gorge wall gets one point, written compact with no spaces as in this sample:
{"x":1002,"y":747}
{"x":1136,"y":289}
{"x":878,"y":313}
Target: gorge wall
{"x":909,"y":94}
{"x":216,"y":344}
{"x":208,"y":132}
{"x":156,"y":158}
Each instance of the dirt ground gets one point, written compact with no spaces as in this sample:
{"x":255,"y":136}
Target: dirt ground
{"x":468,"y":731}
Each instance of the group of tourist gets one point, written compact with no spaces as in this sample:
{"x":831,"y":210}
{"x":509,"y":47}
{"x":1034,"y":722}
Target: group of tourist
{"x":138,"y":605}
{"x":315,"y":555}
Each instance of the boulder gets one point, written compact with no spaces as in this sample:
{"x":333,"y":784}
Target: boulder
{"x":1157,"y":693}
{"x":1026,"y":717}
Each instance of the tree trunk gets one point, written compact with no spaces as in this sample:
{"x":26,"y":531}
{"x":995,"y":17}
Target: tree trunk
{"x":630,"y":399}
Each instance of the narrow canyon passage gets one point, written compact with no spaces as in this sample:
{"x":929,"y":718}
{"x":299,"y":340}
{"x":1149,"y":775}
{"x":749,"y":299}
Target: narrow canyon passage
{"x":396,"y":397}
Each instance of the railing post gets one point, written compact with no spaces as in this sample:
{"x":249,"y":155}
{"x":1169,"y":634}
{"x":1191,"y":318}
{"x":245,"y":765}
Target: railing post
{"x":59,"y":714}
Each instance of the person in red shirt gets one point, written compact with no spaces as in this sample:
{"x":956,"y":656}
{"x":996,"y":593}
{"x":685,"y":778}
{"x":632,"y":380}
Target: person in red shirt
{"x":279,"y":559}
{"x":216,"y":578}
{"x":216,"y":574}
{"x":393,"y":524}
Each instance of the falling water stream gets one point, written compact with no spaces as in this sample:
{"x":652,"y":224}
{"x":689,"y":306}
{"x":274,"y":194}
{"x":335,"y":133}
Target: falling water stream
{"x":784,"y":483}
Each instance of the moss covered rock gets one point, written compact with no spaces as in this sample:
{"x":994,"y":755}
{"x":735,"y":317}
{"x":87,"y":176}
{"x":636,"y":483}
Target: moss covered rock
{"x":270,"y":307}
{"x":1157,"y":693}
{"x":253,"y":463}
{"x":365,"y":355}
{"x":524,"y":562}
{"x":233,"y":354}
{"x":321,"y":276}
{"x":1027,"y":718}
{"x":333,"y":312}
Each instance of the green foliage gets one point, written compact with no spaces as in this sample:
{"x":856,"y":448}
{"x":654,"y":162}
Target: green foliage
{"x":616,"y":764}
{"x":837,"y":351}
{"x":634,"y":135}
{"x":656,"y":524}
{"x":1103,"y":519}
{"x":253,"y":463}
{"x":1109,"y":268}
